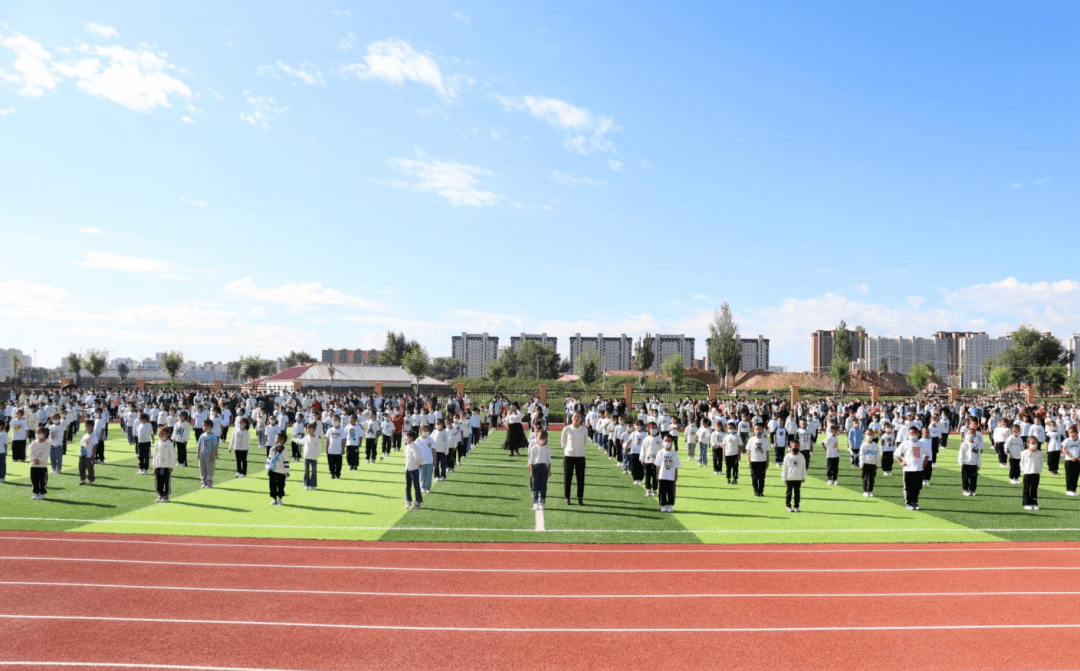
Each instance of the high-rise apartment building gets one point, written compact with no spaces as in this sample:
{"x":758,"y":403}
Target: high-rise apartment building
{"x":475,"y":351}
{"x":616,"y":353}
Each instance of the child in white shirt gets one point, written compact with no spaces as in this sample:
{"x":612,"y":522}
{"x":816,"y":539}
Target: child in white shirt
{"x":539,"y":469}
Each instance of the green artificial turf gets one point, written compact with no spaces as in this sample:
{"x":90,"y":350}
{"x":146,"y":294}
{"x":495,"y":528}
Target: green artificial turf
{"x":488,"y":499}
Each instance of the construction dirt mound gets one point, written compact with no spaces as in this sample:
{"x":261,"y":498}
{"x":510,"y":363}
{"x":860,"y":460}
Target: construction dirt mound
{"x":859,"y":382}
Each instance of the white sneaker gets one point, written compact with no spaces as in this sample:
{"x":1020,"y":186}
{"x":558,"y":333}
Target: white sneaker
{"x":543,"y":506}
{"x":408,"y":506}
{"x":273,"y":502}
{"x":790,"y":509}
{"x":796,"y":510}
{"x":237,"y":475}
{"x":870,"y":494}
{"x":536,"y":506}
{"x":910,"y":507}
{"x":973,"y":493}
{"x":1034,"y":507}
{"x":1066,"y":493}
{"x":866,"y":493}
{"x":1029,"y":508}
{"x":419,"y":505}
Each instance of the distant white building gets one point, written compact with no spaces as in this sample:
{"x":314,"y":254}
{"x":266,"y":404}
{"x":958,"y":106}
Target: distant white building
{"x":538,"y":338}
{"x":754,"y":355}
{"x":974,"y":351}
{"x":616,"y":353}
{"x":1073,"y":345}
{"x":901,"y":353}
{"x":664,"y":346}
{"x":8,"y":358}
{"x":475,"y":351}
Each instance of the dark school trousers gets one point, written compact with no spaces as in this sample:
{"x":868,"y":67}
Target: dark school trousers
{"x":650,"y":476}
{"x":277,"y":484}
{"x":757,"y":476}
{"x":1014,"y":469}
{"x":636,"y":471}
{"x":869,"y":472}
{"x":667,"y":493}
{"x":440,"y":464}
{"x":539,"y":483}
{"x":387,"y":443}
{"x":163,"y":477}
{"x":1031,"y":489}
{"x":18,"y":450}
{"x":144,"y":456}
{"x":574,"y":467}
{"x":806,"y":457}
{"x":969,"y":477}
{"x":1072,"y":474}
{"x":181,"y":454}
{"x":732,"y":463}
{"x":832,"y":468}
{"x":241,"y":462}
{"x":886,"y":461}
{"x":718,"y":459}
{"x":39,"y":477}
{"x":371,"y":448}
{"x":86,"y":468}
{"x":333,"y":463}
{"x":794,"y":490}
{"x":1053,"y":459}
{"x":912,"y":487}
{"x":412,"y":482}
{"x":352,"y":454}
{"x":1000,"y":448}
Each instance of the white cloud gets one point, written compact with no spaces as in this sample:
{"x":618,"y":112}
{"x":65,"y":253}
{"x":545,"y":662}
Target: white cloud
{"x":33,"y":64}
{"x":4,"y":111}
{"x":107,"y":32}
{"x":306,"y":73}
{"x":299,"y":295}
{"x":1017,"y":185}
{"x":263,"y":110}
{"x":395,"y":61}
{"x":570,"y":180}
{"x":456,"y":182}
{"x":587,"y":131}
{"x":215,"y":93}
{"x":645,"y":165}
{"x":91,"y":230}
{"x":135,"y":79}
{"x":915,"y":301}
{"x":861,"y":288}
{"x":347,"y":43}
{"x":186,"y":119}
{"x":18,"y":298}
{"x":1044,"y":180}
{"x":1044,"y":305}
{"x":463,"y":18}
{"x":341,"y":12}
{"x":130,"y":264}
{"x":196,"y":202}
{"x":702,"y":297}
{"x":617,"y":166}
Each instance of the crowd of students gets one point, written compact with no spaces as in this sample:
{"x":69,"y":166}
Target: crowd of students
{"x":434,"y":436}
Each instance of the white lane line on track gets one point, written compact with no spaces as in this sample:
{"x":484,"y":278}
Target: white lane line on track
{"x":541,"y":630}
{"x":471,"y":569}
{"x":120,"y":665}
{"x":451,"y":595}
{"x":228,"y":525}
{"x":211,"y":542}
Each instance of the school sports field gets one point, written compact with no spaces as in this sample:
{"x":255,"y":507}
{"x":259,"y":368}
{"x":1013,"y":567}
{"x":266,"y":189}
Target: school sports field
{"x":850,"y":582}
{"x":487,"y":499}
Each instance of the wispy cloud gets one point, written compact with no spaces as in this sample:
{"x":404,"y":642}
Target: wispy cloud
{"x":570,"y":180}
{"x":91,"y":230}
{"x":263,"y":110}
{"x":195,"y":202}
{"x":108,"y":32}
{"x":347,"y":43}
{"x":299,"y":295}
{"x":130,"y":264}
{"x":587,"y":132}
{"x":458,"y":183}
{"x":617,"y":166}
{"x":306,"y":73}
{"x":395,"y":61}
{"x":4,"y":111}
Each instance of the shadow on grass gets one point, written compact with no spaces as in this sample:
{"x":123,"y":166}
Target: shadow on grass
{"x":206,"y":505}
{"x":326,"y":510}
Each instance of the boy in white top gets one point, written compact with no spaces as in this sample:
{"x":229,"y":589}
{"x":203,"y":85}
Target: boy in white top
{"x":427,"y":458}
{"x":999,"y":436}
{"x":649,"y":447}
{"x":793,"y":473}
{"x":667,"y":467}
{"x":164,"y":462}
{"x":732,"y":446}
{"x":414,"y":459}
{"x":969,"y":458}
{"x":869,"y":455}
{"x":757,"y":453}
{"x":832,"y":455}
{"x":1014,"y":447}
{"x":1070,"y":449}
{"x":539,"y":469}
{"x":238,"y":445}
{"x":311,"y":449}
{"x":180,"y":435}
{"x":1031,"y":463}
{"x":573,"y":444}
{"x":911,"y":455}
{"x":334,"y":436}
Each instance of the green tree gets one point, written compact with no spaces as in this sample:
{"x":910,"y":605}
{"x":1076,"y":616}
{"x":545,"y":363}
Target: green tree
{"x":883,"y":365}
{"x":253,"y":367}
{"x":643,"y":355}
{"x":840,"y":372}
{"x":233,"y":369}
{"x":1000,"y":378}
{"x":920,"y":375}
{"x":537,"y":362}
{"x":1073,"y":383}
{"x":75,"y":364}
{"x":171,"y":362}
{"x":588,"y":366}
{"x":446,"y":368}
{"x":506,"y":365}
{"x":842,"y":342}
{"x":122,"y":369}
{"x":94,"y":363}
{"x":394,"y":350}
{"x":673,"y":368}
{"x":1036,"y":359}
{"x":294,"y":358}
{"x":417,"y":364}
{"x":725,"y":346}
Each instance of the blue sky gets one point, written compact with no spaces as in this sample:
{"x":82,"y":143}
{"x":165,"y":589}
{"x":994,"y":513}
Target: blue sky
{"x":240,"y":178}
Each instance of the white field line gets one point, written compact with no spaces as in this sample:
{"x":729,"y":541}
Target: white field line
{"x":452,"y":595}
{"x":228,"y":525}
{"x":546,"y":630}
{"x":539,"y":520}
{"x":582,"y":571}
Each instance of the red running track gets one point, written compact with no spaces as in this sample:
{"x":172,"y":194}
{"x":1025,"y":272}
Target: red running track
{"x":94,"y":601}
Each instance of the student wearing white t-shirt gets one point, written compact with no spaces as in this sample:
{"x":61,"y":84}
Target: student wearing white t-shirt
{"x":1031,"y":463}
{"x":869,"y":456}
{"x":414,"y":459}
{"x":573,"y":444}
{"x":311,"y":449}
{"x":793,"y":473}
{"x":969,"y":458}
{"x":239,"y":444}
{"x":1070,"y":449}
{"x":732,"y":446}
{"x":832,"y":455}
{"x":911,"y":455}
{"x":334,"y":439}
{"x":667,"y":467}
{"x":539,"y":469}
{"x":757,"y":453}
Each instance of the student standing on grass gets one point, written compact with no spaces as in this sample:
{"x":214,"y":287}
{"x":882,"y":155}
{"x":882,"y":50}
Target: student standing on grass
{"x":703,"y":434}
{"x":19,"y":429}
{"x":1000,"y":435}
{"x":757,"y":453}
{"x":164,"y":462}
{"x":539,"y":469}
{"x":311,"y":447}
{"x":353,"y":435}
{"x":3,"y":449}
{"x":716,"y":447}
{"x":805,"y":439}
{"x":793,"y":473}
{"x":832,"y":455}
{"x":208,"y":451}
{"x":652,"y":444}
{"x":1053,"y":447}
{"x":87,"y":448}
{"x":239,"y":444}
{"x":733,"y":447}
{"x":143,"y":436}
{"x":334,"y":438}
{"x":1014,"y":448}
{"x":277,"y":468}
{"x":39,"y":459}
{"x":667,"y":466}
{"x":1070,"y":448}
{"x":969,"y":458}
{"x":56,"y":444}
{"x":869,"y":455}
{"x":928,"y":463}
{"x":181,"y":433}
{"x":573,"y":444}
{"x":1031,"y":463}
{"x":911,"y":455}
{"x":414,"y":459}
{"x":427,"y":459}
{"x":888,"y":445}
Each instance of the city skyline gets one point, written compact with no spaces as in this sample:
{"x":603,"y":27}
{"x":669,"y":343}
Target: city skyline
{"x":195,"y":180}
